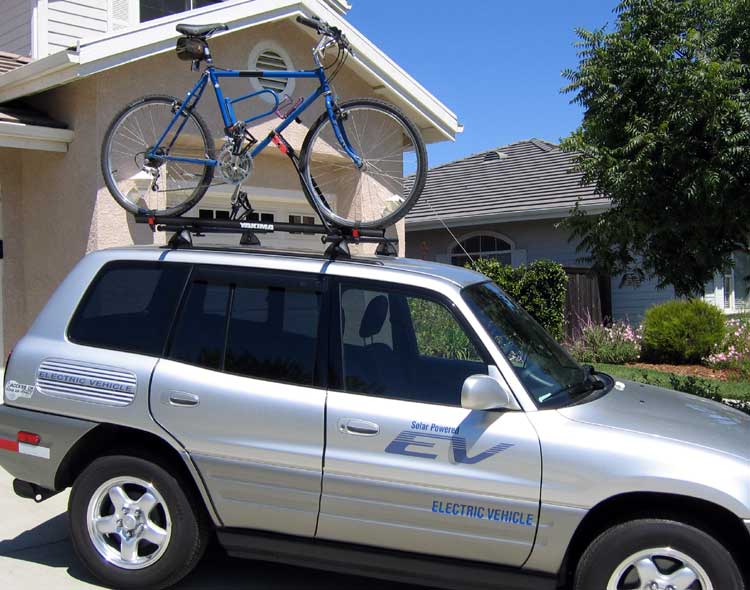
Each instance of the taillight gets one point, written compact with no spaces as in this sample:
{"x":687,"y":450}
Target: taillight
{"x":29,"y":438}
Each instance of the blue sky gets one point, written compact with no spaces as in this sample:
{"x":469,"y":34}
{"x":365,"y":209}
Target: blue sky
{"x":496,"y":63}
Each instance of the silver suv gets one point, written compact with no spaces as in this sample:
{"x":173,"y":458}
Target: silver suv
{"x":383,"y":416}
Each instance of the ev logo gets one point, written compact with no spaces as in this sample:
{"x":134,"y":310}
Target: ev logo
{"x":409,"y":441}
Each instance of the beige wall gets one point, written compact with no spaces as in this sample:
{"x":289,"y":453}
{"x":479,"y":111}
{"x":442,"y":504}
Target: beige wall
{"x":55,"y":206}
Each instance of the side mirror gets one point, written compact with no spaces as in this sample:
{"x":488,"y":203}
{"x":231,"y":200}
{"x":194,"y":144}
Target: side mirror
{"x":482,"y":392}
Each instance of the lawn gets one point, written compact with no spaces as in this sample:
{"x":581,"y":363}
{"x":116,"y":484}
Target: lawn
{"x":727,"y":389}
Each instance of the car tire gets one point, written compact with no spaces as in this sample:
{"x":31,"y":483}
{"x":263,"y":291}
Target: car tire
{"x":135,"y":525}
{"x":662,"y":551}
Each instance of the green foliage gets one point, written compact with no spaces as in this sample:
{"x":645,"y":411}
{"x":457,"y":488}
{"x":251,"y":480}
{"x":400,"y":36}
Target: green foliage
{"x":666,"y":135}
{"x":540,"y":288}
{"x":437,"y":332}
{"x":617,"y":344}
{"x":682,"y":331}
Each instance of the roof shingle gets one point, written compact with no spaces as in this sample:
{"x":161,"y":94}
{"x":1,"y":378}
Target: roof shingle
{"x":11,"y":61}
{"x":528,"y":177}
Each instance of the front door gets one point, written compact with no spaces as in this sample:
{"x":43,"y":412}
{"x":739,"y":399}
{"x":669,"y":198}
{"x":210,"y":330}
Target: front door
{"x":405,"y":466}
{"x":239,"y":389}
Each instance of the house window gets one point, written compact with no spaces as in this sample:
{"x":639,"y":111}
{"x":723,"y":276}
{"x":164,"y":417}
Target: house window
{"x":482,"y":246}
{"x":151,"y":9}
{"x":212,"y":214}
{"x":730,"y":290}
{"x":262,"y":217}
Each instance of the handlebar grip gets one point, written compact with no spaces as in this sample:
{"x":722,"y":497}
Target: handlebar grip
{"x":310,"y":22}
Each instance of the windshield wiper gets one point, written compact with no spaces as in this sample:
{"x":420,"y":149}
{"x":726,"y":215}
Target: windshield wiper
{"x":589,"y":384}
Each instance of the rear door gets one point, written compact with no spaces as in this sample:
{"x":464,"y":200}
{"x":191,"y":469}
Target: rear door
{"x":405,"y":466}
{"x":242,"y":390}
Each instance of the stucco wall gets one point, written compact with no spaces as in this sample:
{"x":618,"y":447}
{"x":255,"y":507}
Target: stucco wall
{"x":542,"y":239}
{"x":57,"y":205}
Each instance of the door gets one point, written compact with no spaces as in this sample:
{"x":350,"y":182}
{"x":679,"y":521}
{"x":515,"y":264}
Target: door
{"x":405,"y":466}
{"x":240,"y":388}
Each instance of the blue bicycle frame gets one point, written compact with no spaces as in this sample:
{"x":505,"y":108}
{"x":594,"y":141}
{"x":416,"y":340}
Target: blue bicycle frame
{"x":226,"y":106}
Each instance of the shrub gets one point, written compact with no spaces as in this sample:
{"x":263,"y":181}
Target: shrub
{"x":734,"y":350}
{"x":682,"y":331}
{"x":617,"y":344}
{"x":539,"y":288}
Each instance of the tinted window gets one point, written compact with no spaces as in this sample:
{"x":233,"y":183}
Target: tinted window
{"x":273,"y":334}
{"x":200,"y":331}
{"x":404,"y":345}
{"x":130,"y":306}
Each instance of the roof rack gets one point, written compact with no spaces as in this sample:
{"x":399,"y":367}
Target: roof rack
{"x":338,"y":239}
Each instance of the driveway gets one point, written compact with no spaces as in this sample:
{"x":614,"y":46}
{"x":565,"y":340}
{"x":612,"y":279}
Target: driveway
{"x":35,"y":552}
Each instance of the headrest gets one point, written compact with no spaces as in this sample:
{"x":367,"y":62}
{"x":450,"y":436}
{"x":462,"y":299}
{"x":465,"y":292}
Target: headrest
{"x":374,"y":317}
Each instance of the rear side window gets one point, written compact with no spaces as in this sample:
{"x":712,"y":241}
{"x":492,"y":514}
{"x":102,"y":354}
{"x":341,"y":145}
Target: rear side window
{"x":250,"y":325}
{"x":129,"y":307}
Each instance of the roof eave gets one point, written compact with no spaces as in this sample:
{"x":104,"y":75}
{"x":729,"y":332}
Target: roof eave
{"x":474,"y":220}
{"x":34,"y":137}
{"x":114,"y":49}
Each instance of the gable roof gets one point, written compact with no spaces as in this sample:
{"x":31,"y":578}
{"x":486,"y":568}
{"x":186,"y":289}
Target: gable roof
{"x":99,"y":53}
{"x":531,"y":179}
{"x":11,"y":61}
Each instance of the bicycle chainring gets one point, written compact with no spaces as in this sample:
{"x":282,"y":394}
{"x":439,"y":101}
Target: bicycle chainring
{"x":234,"y":168}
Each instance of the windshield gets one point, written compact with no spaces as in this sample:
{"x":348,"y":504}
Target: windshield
{"x":548,"y":372}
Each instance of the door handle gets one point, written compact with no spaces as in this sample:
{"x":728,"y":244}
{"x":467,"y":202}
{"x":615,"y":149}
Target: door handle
{"x":180,"y":399}
{"x":358,"y":427}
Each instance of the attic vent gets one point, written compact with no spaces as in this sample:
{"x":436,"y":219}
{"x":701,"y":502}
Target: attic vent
{"x":270,"y":57}
{"x":494,"y":156}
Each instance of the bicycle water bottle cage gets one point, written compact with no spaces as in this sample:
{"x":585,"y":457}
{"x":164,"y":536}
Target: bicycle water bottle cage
{"x":287,"y":105}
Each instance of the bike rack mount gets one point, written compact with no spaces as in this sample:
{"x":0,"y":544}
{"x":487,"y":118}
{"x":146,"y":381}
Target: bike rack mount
{"x":338,"y":239}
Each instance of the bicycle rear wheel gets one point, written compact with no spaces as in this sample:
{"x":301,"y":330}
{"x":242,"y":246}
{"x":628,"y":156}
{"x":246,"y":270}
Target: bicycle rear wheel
{"x":392,"y":175}
{"x":156,"y":186}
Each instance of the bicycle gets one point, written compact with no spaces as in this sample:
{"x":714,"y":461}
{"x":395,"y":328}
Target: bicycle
{"x":362,"y":164}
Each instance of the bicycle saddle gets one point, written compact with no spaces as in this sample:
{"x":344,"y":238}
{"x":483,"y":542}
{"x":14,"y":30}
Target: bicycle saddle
{"x":201,"y":30}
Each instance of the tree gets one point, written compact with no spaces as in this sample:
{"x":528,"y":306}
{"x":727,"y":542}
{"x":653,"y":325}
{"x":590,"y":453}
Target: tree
{"x":666,"y":135}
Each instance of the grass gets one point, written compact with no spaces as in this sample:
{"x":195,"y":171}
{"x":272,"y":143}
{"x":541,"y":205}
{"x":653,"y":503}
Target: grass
{"x":727,"y":389}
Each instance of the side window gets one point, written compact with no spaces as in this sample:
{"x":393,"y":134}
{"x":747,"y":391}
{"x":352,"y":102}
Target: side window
{"x":245,"y":326}
{"x":404,"y":345}
{"x":273,"y":333}
{"x":200,"y":332}
{"x":129,"y":307}
{"x":438,"y":334}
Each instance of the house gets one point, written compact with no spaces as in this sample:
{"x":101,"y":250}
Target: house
{"x":69,"y":66}
{"x":508,"y":203}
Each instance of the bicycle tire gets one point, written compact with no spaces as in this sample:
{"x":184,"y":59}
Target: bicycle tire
{"x":206,"y":176}
{"x":415,"y":186}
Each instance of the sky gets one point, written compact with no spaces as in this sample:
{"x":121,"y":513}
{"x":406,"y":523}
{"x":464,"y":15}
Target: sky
{"x":497,"y":64}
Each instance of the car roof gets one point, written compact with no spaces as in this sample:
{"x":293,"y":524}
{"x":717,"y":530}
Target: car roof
{"x":298,"y":260}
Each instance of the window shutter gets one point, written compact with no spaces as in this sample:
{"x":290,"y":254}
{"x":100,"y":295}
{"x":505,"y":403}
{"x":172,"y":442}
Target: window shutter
{"x":517,"y":257}
{"x":123,"y":14}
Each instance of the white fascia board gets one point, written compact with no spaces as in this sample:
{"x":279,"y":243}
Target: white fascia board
{"x":150,"y":38}
{"x":57,"y":69}
{"x":478,"y":219}
{"x":34,"y":137}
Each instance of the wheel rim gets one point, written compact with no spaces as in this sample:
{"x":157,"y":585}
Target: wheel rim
{"x":129,"y":523}
{"x":659,"y":569}
{"x":372,"y":194}
{"x":153,"y":185}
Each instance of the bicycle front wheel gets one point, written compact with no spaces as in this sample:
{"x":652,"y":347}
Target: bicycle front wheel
{"x":154,"y":185}
{"x":380,"y":189}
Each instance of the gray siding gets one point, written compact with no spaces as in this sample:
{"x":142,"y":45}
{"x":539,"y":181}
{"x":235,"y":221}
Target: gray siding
{"x":71,"y":20}
{"x":15,"y":26}
{"x":540,"y":240}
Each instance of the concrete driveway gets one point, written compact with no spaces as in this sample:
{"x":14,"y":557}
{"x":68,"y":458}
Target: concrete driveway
{"x":35,"y":552}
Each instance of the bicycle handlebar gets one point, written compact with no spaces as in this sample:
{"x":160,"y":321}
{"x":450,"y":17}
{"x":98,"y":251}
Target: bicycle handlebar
{"x":313,"y":23}
{"x":324,"y":28}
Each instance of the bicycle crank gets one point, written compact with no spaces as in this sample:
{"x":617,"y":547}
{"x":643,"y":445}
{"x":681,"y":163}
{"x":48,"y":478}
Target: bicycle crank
{"x":234,"y":168}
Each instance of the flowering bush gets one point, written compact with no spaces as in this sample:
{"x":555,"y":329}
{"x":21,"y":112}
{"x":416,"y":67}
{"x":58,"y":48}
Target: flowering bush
{"x":617,"y":343}
{"x":734,"y":351}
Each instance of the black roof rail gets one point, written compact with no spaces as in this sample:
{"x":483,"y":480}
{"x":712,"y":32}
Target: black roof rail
{"x":338,"y":239}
